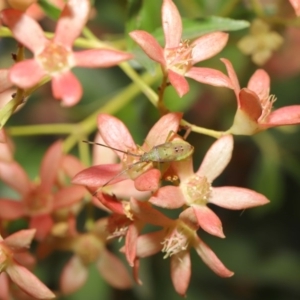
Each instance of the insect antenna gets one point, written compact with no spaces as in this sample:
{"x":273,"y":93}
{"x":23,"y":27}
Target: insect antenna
{"x":117,"y":175}
{"x":109,"y":147}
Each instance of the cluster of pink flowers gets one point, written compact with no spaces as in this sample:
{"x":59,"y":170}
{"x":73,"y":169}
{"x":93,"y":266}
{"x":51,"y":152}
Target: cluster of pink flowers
{"x":128,"y":181}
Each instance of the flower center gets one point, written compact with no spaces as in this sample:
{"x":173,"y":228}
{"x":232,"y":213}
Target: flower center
{"x":176,"y":241}
{"x":266,"y":105}
{"x":38,"y":203}
{"x":179,"y":59}
{"x":89,"y":248}
{"x":117,"y":226}
{"x":197,"y":190}
{"x":55,"y":58}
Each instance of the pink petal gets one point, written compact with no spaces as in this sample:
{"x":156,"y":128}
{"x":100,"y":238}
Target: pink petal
{"x":11,"y":210}
{"x":208,"y":220}
{"x":97,"y":176}
{"x":296,"y":6}
{"x":287,"y":115}
{"x":4,"y":286}
{"x":6,"y":148}
{"x":130,"y":243}
{"x":259,"y":83}
{"x":4,"y":80}
{"x":73,"y":276}
{"x":113,"y":271}
{"x":209,"y":76}
{"x":66,"y":86}
{"x":100,"y":58}
{"x":71,"y":165}
{"x":250,"y":104}
{"x":232,"y":75}
{"x":115,"y":133}
{"x":20,"y":240}
{"x":102,"y":155}
{"x":68,"y":196}
{"x":148,"y":181}
{"x":208,"y":46}
{"x":179,"y":83}
{"x":111,"y":203}
{"x":172,"y":25}
{"x":26,"y":30}
{"x":148,"y":214}
{"x":28,"y":282}
{"x":150,"y":243}
{"x":43,"y":225}
{"x":183,"y":168}
{"x":149,"y":45}
{"x":216,"y":158}
{"x":26,"y":74}
{"x":210,"y":258}
{"x":14,"y":176}
{"x":162,"y":130}
{"x":168,"y":197}
{"x":50,"y":166}
{"x":236,"y":198}
{"x":181,"y":271}
{"x":71,"y":22}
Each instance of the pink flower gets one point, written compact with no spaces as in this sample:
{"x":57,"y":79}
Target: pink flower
{"x":254,"y":112}
{"x":55,"y":57}
{"x":178,"y":57}
{"x":90,"y":248}
{"x":196,"y":191}
{"x":296,"y":6}
{"x":38,"y":200}
{"x":10,"y":248}
{"x":116,"y":135}
{"x":175,"y":240}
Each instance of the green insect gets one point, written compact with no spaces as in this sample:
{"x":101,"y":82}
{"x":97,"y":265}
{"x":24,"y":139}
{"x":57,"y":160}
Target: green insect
{"x":170,"y":151}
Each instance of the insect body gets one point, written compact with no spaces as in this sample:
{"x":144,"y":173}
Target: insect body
{"x":175,"y":150}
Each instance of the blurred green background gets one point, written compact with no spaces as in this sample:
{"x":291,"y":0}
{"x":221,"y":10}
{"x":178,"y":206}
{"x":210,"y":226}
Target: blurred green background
{"x":262,"y":245}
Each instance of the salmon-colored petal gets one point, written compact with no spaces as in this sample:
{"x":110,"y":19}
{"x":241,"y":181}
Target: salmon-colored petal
{"x":115,"y":133}
{"x":43,"y":225}
{"x":236,"y":198}
{"x":111,"y":203}
{"x":131,"y":241}
{"x":102,"y":155}
{"x":288,"y":115}
{"x":4,"y":286}
{"x":296,"y":6}
{"x":210,"y":258}
{"x":259,"y":83}
{"x":216,"y":158}
{"x":232,"y":75}
{"x":97,"y":176}
{"x":100,"y":58}
{"x":113,"y":271}
{"x":149,"y":45}
{"x":67,"y":87}
{"x":208,"y":45}
{"x":71,"y":22}
{"x":68,"y":196}
{"x":26,"y":30}
{"x":179,"y":83}
{"x":150,"y":243}
{"x":14,"y":176}
{"x":71,"y":165}
{"x":168,"y":197}
{"x":11,"y":209}
{"x":172,"y":25}
{"x":50,"y":166}
{"x":208,"y":220}
{"x":148,"y":214}
{"x":5,"y":83}
{"x":181,"y":271}
{"x":26,"y":73}
{"x":20,"y":240}
{"x":162,"y":130}
{"x":28,"y":282}
{"x":250,"y":104}
{"x":148,"y":181}
{"x":73,"y":276}
{"x":209,"y":76}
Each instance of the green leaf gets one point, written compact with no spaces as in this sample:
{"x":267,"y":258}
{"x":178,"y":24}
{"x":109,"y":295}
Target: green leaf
{"x":50,"y":10}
